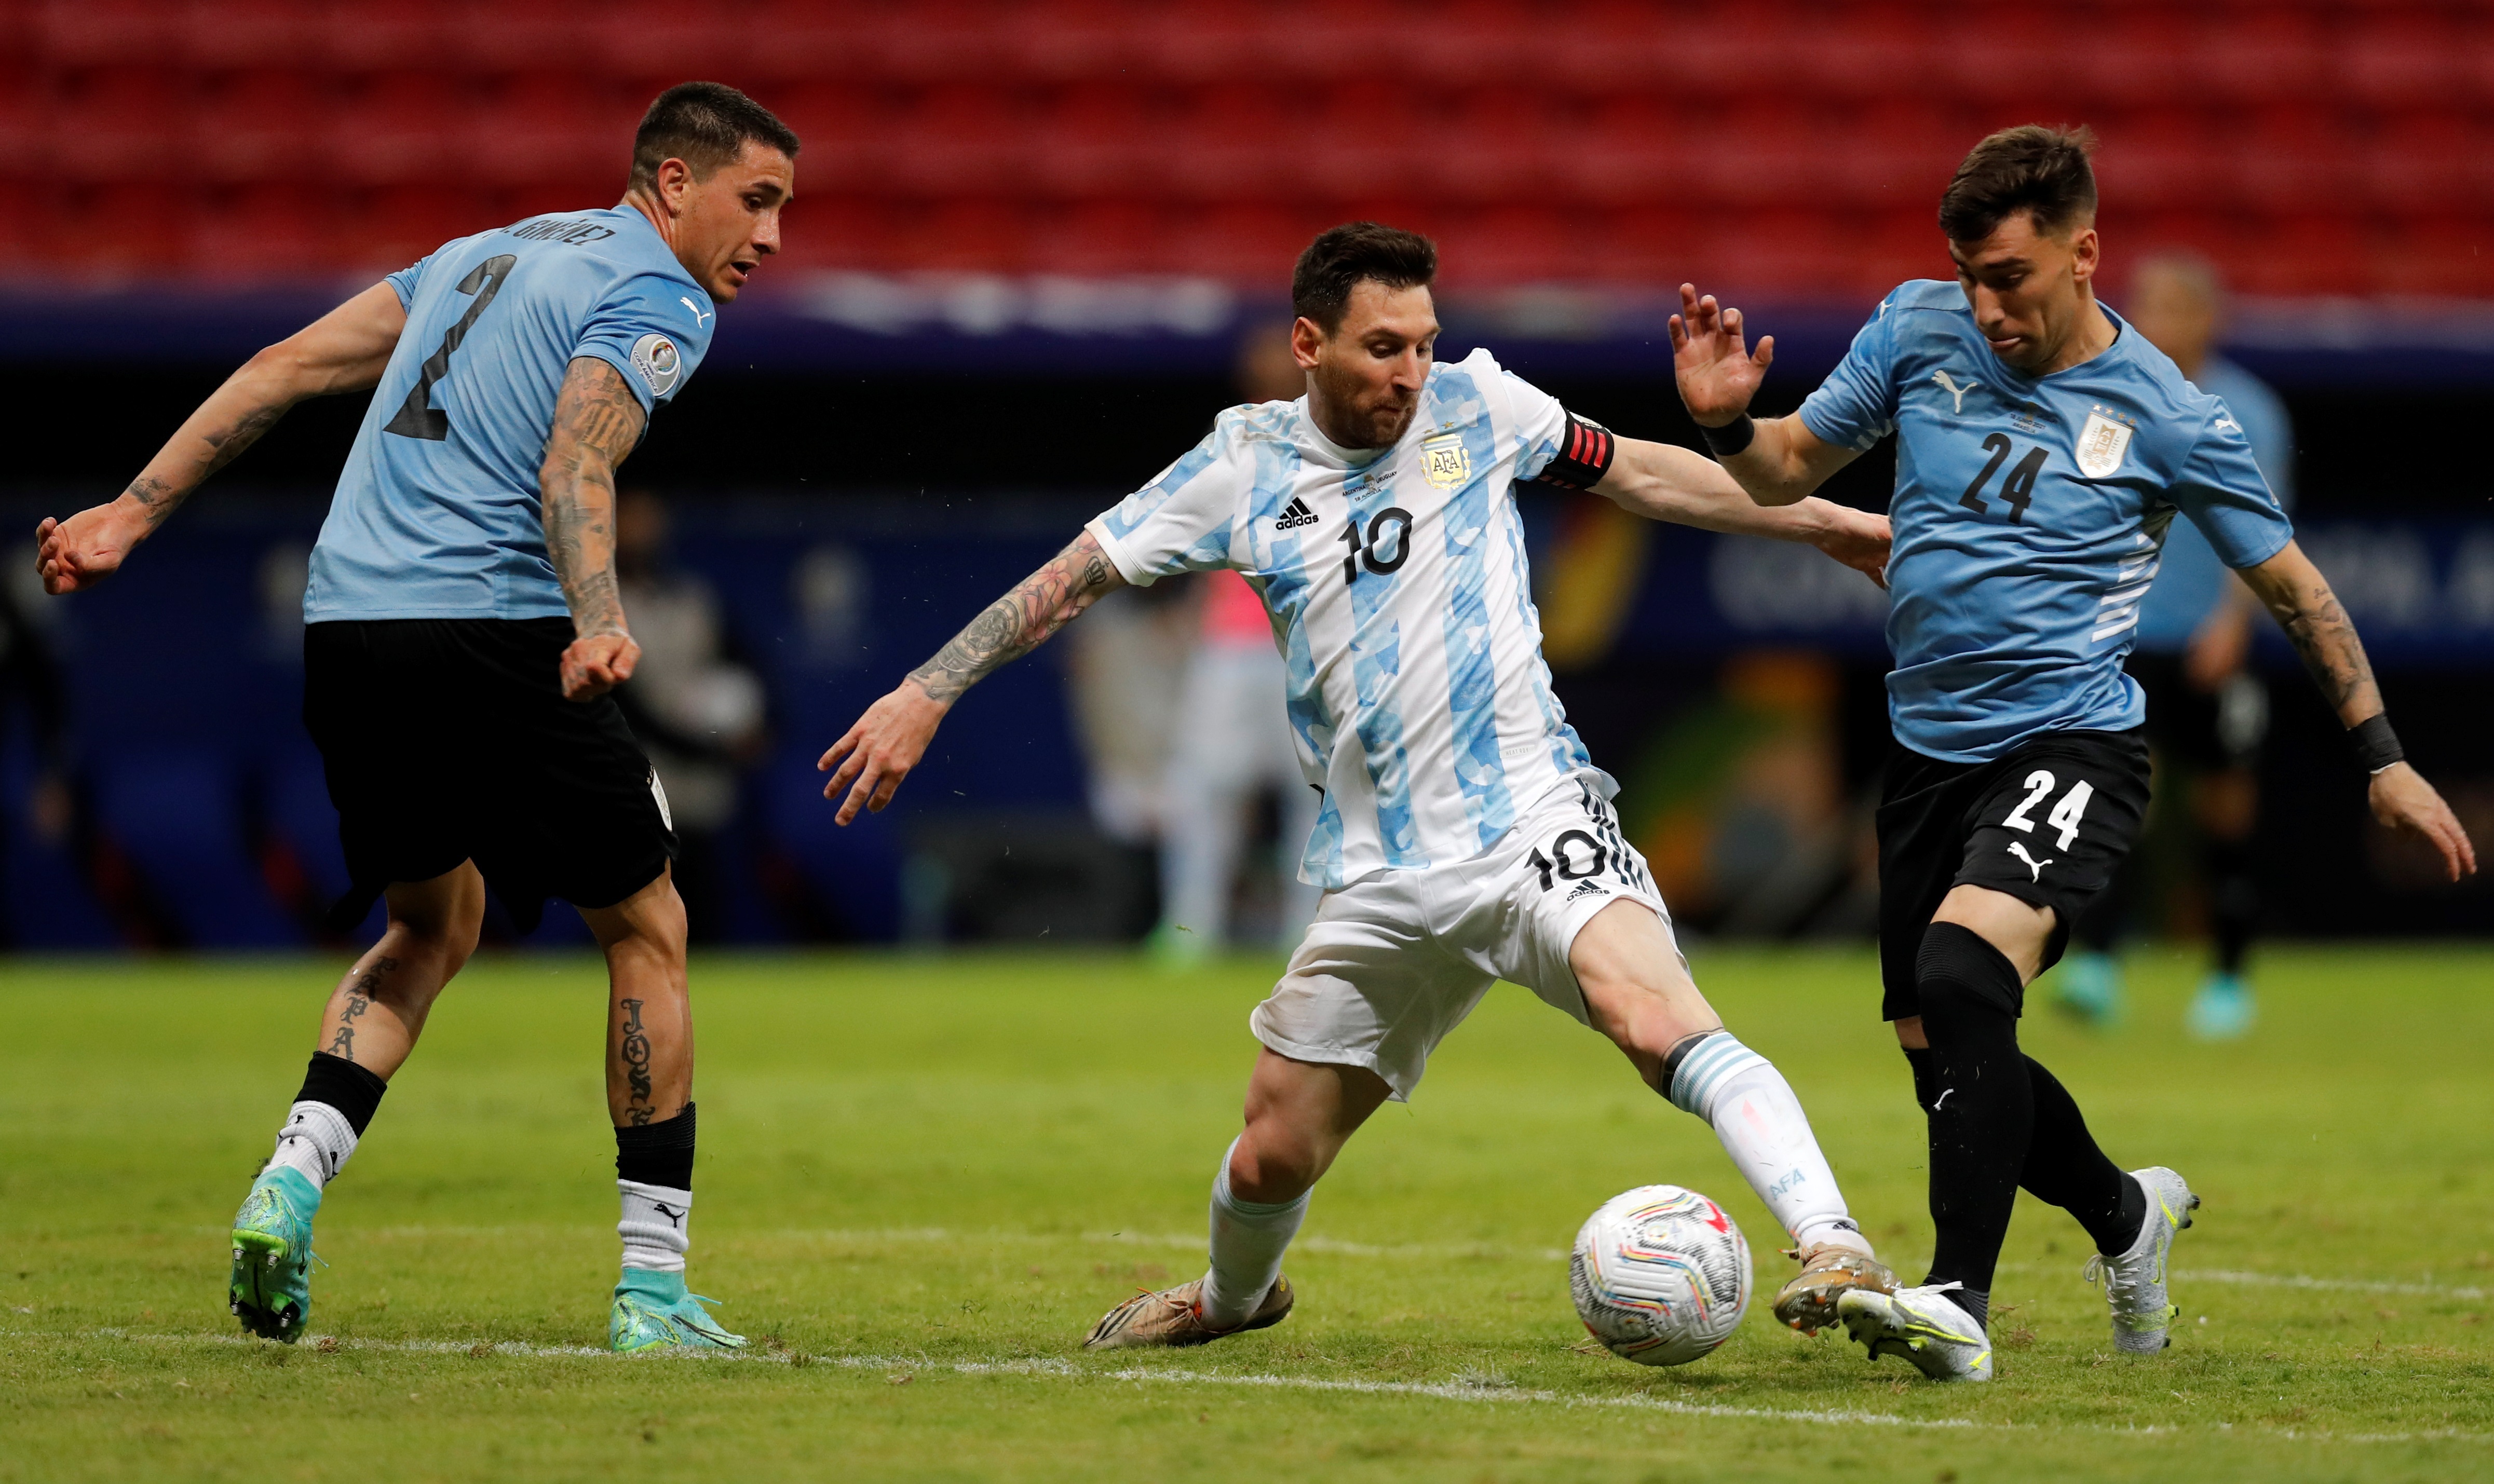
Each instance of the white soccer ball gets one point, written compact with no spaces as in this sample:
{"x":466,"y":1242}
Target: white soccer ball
{"x":1660,"y":1275}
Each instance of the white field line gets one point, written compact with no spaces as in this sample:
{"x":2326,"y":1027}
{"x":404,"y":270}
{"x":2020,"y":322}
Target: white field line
{"x":1443,"y":1391}
{"x":1193,"y":1241}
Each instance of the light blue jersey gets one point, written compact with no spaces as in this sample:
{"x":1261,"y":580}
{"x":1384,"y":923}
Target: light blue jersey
{"x":437,"y":513}
{"x":2028,"y":515}
{"x":2190,"y":581}
{"x":1401,"y":603}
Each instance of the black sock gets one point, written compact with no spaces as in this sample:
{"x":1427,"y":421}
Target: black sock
{"x":2065,"y":1169}
{"x":1976,"y":1302}
{"x":1926,"y":1087}
{"x":659,"y":1154}
{"x":1983,"y":1115}
{"x":353,"y":1090}
{"x":2234,"y":900}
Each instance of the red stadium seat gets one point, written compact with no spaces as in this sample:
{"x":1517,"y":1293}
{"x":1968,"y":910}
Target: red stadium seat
{"x":107,"y":33}
{"x":118,"y":123}
{"x":545,"y":127}
{"x":1239,"y":143}
{"x":274,"y":231}
{"x":399,"y":126}
{"x":843,"y":130}
{"x":1102,"y":239}
{"x":249,"y":33}
{"x":395,"y":226}
{"x":1100,"y":139}
{"x":260,"y":126}
{"x":665,"y":42}
{"x":960,"y":140}
{"x":1499,"y":144}
{"x":1629,"y":150}
{"x":383,"y":35}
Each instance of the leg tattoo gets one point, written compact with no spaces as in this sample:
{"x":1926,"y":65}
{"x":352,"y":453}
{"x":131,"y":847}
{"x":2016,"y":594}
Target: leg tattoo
{"x":360,"y":998}
{"x":636,"y":1064}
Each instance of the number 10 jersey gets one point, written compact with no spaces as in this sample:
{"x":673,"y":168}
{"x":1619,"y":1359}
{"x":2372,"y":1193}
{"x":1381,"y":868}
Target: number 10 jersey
{"x":1400,"y":598}
{"x":438,"y":514}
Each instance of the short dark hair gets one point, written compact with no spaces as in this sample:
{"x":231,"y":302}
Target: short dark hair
{"x":705,"y":124}
{"x":1344,"y":256}
{"x":2036,"y":168}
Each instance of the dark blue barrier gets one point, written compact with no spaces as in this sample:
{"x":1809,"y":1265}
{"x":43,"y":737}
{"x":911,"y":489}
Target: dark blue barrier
{"x":184,"y":677}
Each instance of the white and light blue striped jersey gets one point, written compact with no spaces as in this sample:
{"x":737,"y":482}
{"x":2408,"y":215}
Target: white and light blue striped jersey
{"x":437,"y":513}
{"x":1401,"y":601}
{"x":2029,"y":516}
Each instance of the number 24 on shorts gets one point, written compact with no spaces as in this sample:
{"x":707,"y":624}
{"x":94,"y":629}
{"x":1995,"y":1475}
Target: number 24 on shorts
{"x":2064,"y":817}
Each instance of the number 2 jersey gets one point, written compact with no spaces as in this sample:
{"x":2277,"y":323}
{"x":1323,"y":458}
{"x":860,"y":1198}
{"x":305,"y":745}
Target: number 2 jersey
{"x":2029,"y":516}
{"x":438,"y":514}
{"x":1396,"y":583}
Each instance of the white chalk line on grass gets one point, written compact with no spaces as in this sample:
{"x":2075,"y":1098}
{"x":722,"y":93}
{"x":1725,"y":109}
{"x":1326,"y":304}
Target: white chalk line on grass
{"x":1337,"y":1247}
{"x":1444,"y":1391}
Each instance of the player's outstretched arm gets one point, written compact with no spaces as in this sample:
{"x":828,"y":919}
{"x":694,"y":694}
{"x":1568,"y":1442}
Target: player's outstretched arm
{"x":2298,"y":596}
{"x":344,"y":351}
{"x":873,"y":756}
{"x":1662,"y":482}
{"x":597,"y":422}
{"x":1779,"y":460}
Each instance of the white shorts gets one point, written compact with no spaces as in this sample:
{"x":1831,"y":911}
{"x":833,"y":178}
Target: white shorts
{"x":1396,"y":960}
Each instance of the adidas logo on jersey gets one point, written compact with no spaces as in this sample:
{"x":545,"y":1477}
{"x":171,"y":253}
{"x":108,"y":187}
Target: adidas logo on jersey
{"x":1586,"y":889}
{"x":1295,"y":515}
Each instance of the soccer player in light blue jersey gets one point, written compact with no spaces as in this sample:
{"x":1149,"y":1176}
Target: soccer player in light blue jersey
{"x":2044,"y":450}
{"x":2208,"y":710}
{"x":463,"y":633}
{"x":1463,"y":836}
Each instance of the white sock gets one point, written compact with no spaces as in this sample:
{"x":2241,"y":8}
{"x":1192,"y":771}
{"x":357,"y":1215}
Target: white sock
{"x":1248,"y":1240}
{"x":315,"y":1140}
{"x":653,"y":1226}
{"x":1754,"y":1113}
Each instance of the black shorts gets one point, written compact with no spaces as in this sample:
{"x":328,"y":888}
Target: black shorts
{"x":2203,"y":729}
{"x":2048,"y":824}
{"x":448,"y":739}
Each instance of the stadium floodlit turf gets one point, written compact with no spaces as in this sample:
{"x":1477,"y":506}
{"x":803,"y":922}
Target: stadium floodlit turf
{"x":922,"y":1179}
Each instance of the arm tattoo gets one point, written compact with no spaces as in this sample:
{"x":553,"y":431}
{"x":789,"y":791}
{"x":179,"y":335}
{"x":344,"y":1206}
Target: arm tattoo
{"x":1021,"y":621}
{"x":597,"y":420}
{"x":2326,"y":638}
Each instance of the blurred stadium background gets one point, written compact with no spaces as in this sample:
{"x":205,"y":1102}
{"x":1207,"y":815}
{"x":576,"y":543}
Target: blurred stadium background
{"x":1035,"y":247}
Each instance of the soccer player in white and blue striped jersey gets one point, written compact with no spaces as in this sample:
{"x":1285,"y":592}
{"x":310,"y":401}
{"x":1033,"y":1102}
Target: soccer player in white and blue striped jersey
{"x":1464,"y":834}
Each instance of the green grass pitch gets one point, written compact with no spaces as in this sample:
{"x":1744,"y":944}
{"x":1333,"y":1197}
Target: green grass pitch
{"x":922,"y":1179}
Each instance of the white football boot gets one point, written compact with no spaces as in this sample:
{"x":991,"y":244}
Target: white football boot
{"x":2135,"y":1282}
{"x":1924,"y":1325}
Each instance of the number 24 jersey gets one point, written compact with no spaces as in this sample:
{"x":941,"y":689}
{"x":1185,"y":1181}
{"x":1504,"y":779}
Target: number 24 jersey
{"x":1400,"y":599}
{"x":2030,"y":514}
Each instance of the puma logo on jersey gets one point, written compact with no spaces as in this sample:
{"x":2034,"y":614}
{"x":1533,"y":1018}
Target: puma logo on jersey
{"x":1950,"y":386}
{"x":699,"y":318}
{"x":2035,"y":867}
{"x":2226,"y":423}
{"x":1295,"y":515}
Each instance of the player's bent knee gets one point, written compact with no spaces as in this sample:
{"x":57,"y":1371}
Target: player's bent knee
{"x":1959,"y":976}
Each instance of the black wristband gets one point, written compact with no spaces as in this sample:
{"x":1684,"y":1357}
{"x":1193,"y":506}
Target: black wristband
{"x":2376,"y":745}
{"x":1731,"y":437}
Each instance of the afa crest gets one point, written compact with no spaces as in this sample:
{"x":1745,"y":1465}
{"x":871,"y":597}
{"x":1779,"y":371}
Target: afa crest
{"x":1447,"y":462}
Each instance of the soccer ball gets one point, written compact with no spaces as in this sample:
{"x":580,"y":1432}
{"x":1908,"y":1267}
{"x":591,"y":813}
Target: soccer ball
{"x":1660,"y":1275}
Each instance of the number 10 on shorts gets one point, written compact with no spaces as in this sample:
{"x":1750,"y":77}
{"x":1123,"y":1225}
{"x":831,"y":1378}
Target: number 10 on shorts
{"x":2064,"y":817}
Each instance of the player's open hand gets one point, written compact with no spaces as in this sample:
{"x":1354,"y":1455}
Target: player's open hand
{"x":873,"y":756}
{"x":1717,"y":373}
{"x":1858,"y":538}
{"x":595,"y":664}
{"x":85,"y":549}
{"x":2403,"y":800}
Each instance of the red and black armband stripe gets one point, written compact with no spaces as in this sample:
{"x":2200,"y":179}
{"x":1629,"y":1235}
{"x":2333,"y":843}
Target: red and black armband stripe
{"x":1585,"y":454}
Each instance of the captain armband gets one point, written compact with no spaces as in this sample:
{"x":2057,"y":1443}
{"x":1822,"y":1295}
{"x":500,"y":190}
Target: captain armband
{"x":2376,"y":745}
{"x":1585,"y":453}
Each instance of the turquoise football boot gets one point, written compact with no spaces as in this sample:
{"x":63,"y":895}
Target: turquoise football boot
{"x":271,"y":1288}
{"x":2087,"y":988}
{"x":2223,"y":1009}
{"x":653,"y":1311}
